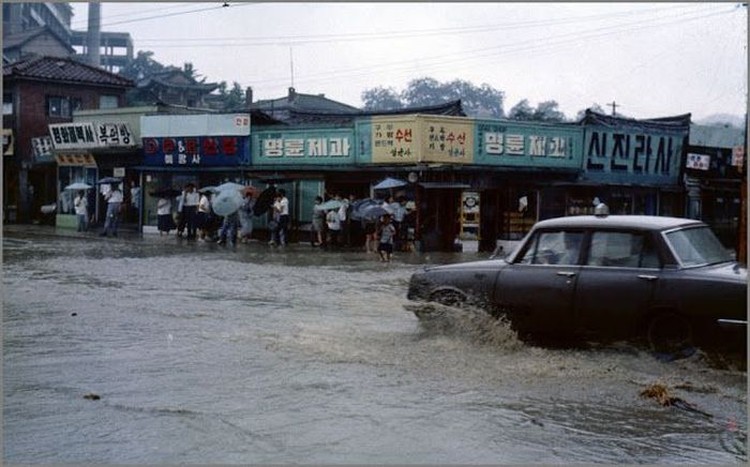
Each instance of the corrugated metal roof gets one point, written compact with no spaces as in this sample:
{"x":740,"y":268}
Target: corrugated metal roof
{"x":62,"y":69}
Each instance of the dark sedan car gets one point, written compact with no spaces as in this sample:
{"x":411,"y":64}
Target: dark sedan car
{"x":666,"y":279}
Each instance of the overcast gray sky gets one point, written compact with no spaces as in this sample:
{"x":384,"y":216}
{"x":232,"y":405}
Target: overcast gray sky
{"x":652,"y":59}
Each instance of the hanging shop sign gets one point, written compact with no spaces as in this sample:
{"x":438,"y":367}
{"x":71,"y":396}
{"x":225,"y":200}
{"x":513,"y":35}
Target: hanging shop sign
{"x":538,"y":145}
{"x":738,"y":156}
{"x":80,"y":160}
{"x":411,"y":139}
{"x":196,"y":140}
{"x":89,"y":135}
{"x":303,"y":147}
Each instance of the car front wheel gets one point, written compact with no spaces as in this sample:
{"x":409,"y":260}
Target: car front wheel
{"x":670,"y":333}
{"x":448,"y":297}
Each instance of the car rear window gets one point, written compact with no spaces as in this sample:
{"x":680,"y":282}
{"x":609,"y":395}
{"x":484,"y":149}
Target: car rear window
{"x":697,"y":246}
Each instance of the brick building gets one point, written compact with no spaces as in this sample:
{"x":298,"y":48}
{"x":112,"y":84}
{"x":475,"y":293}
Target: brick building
{"x":37,"y":92}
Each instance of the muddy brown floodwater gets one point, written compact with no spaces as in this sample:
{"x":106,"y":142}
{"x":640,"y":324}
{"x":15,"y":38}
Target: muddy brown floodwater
{"x":202,"y":354}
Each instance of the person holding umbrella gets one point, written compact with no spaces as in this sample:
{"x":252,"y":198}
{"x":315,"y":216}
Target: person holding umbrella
{"x":81,"y":205}
{"x":114,"y":201}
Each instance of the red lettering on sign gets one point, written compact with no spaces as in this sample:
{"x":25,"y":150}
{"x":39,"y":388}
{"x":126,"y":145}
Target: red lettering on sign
{"x":229,"y":145}
{"x":191,"y":145}
{"x":210,"y":146}
{"x":169,"y":145}
{"x":150,"y":146}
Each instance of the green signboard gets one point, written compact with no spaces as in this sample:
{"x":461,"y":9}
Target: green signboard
{"x":329,"y":146}
{"x":534,"y":145}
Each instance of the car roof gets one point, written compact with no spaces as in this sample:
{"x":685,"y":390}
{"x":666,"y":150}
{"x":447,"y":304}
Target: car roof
{"x":618,"y":221}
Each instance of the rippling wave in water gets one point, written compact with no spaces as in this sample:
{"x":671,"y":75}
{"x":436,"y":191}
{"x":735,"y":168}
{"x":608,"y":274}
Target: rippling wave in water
{"x":203,"y":354}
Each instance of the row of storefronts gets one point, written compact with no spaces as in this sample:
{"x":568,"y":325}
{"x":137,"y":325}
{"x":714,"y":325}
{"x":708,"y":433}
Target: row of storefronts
{"x":468,"y":178}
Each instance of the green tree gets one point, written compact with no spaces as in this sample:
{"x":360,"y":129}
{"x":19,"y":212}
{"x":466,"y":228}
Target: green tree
{"x":477,"y":101}
{"x":522,"y":111}
{"x":594,"y":107}
{"x":547,"y":111}
{"x":381,"y":98}
{"x":141,"y":66}
{"x":232,"y":99}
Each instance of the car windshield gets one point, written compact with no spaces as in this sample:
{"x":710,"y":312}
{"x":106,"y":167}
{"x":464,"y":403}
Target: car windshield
{"x":697,"y":247}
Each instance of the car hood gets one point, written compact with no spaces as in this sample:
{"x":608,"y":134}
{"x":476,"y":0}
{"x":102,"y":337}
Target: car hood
{"x":489,"y":264}
{"x":729,"y":271}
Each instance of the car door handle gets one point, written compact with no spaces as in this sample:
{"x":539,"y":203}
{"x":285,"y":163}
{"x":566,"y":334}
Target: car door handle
{"x":647,"y":277}
{"x":566,"y":273}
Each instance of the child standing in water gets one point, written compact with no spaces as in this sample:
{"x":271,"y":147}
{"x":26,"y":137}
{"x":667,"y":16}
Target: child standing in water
{"x":386,"y":233}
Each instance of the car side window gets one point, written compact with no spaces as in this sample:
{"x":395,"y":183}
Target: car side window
{"x":559,"y":247}
{"x":622,"y":249}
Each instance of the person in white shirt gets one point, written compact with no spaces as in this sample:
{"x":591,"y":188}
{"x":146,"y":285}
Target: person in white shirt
{"x":114,"y":200}
{"x":189,"y":209}
{"x":164,"y":215}
{"x":281,"y":208}
{"x":82,"y":211}
{"x":334,"y":227}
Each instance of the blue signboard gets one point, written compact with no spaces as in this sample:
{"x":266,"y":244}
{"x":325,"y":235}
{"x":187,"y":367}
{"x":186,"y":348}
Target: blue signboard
{"x":536,"y":145}
{"x":196,"y":151}
{"x":331,"y":146}
{"x":632,"y":155}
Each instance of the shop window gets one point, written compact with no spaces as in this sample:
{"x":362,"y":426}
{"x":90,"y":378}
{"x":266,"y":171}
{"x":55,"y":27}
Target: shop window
{"x":58,"y":106}
{"x":7,"y":103}
{"x":108,"y":102}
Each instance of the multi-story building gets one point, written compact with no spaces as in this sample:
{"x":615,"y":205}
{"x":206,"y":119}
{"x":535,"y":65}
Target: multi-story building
{"x":37,"y":92}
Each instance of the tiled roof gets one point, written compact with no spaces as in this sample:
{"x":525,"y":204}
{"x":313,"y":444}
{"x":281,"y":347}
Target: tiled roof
{"x":62,"y":69}
{"x":299,"y":117}
{"x":304,"y":102}
{"x":680,"y":122}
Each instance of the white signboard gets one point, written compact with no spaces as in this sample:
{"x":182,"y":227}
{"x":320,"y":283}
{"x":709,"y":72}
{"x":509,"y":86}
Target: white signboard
{"x":154,"y":126}
{"x":86,"y":135}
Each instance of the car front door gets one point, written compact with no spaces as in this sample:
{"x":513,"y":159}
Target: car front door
{"x":537,"y":289}
{"x":616,"y":282}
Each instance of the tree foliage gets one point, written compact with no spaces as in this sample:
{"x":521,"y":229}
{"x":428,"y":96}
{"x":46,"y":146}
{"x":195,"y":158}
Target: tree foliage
{"x":477,"y":101}
{"x":142,"y":66}
{"x":231,"y":99}
{"x":381,"y":98}
{"x":546,"y":111}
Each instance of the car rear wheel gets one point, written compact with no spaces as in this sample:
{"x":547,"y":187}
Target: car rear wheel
{"x":670,"y":333}
{"x":448,"y":297}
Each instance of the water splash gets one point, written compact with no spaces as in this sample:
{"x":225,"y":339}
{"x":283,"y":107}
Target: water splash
{"x":465,"y":322}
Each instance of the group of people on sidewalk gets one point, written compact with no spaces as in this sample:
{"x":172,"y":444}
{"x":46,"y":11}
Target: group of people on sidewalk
{"x":386,"y":227}
{"x":330,"y":229}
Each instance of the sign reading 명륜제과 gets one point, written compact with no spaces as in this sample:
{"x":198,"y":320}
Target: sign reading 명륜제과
{"x":303,"y":147}
{"x":539,"y":145}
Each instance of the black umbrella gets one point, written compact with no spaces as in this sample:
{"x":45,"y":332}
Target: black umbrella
{"x":165,"y":193}
{"x":265,"y":200}
{"x":108,"y":180}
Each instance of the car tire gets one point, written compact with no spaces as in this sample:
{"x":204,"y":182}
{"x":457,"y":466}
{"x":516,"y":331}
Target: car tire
{"x":670,"y":334}
{"x":448,"y":297}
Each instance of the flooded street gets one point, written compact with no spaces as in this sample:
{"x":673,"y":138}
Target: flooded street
{"x":205,"y":354}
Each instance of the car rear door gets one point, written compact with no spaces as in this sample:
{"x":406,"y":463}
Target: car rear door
{"x":616,"y":283}
{"x":537,"y":289}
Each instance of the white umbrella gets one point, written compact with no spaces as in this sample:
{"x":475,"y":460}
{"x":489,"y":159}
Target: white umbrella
{"x":390,"y":183}
{"x":230,"y":186}
{"x":226,"y":202}
{"x":328,"y":205}
{"x":78,"y":186}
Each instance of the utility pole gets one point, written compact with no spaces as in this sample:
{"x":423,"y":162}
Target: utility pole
{"x":614,"y":108}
